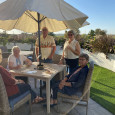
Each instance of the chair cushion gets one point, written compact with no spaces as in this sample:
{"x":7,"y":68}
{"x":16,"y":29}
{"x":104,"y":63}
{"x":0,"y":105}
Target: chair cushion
{"x":12,"y":102}
{"x":78,"y":94}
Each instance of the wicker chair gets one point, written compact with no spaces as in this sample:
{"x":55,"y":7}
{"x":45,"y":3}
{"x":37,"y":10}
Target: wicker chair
{"x":56,"y":59}
{"x":5,"y":107}
{"x":81,"y":96}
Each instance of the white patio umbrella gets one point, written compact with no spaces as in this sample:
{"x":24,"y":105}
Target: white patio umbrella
{"x":31,"y":15}
{"x":27,"y":24}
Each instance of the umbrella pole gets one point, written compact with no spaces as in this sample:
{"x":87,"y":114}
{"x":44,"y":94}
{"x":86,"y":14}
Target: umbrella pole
{"x":40,"y":66}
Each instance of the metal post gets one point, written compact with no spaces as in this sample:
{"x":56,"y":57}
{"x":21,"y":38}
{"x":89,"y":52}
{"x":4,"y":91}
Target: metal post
{"x":39,"y":38}
{"x":39,"y":51}
{"x":40,"y":66}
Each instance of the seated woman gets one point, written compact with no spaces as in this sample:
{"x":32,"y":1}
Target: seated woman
{"x":73,"y":81}
{"x":15,"y":61}
{"x":15,"y":88}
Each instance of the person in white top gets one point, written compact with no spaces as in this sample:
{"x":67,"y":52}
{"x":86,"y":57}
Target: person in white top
{"x":71,"y":51}
{"x":16,"y":61}
{"x":47,"y":45}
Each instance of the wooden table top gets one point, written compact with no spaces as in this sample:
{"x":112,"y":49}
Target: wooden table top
{"x":49,"y":71}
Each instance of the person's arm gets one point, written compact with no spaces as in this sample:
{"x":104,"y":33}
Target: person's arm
{"x":68,"y":84}
{"x":77,"y":49}
{"x":10,"y":64}
{"x":62,"y":83}
{"x":28,"y":62}
{"x":61,"y":59}
{"x":6,"y":76}
{"x":36,"y":49}
{"x":53,"y":51}
{"x":12,"y":77}
{"x":53,"y":45}
{"x":19,"y":81}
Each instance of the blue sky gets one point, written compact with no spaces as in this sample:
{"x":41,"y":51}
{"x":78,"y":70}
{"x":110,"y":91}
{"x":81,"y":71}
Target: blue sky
{"x":101,"y":14}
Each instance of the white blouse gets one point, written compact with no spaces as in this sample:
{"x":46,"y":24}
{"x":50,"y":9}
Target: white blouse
{"x":12,"y":59}
{"x":68,"y":53}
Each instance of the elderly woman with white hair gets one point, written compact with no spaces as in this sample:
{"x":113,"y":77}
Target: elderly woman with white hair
{"x":16,"y":61}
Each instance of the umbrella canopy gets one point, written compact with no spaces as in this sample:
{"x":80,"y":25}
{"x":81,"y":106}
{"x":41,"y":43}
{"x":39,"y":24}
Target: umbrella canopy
{"x":27,"y":24}
{"x":55,"y":14}
{"x":32,"y":15}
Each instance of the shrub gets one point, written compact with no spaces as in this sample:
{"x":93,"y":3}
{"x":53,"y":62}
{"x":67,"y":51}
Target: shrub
{"x":60,"y":40}
{"x":103,"y":43}
{"x":84,"y":41}
{"x":3,"y":41}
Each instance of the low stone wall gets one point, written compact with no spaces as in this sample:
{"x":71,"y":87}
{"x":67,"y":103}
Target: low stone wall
{"x":23,"y":46}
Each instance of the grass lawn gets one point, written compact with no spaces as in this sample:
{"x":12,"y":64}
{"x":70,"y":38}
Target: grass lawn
{"x":103,"y":88}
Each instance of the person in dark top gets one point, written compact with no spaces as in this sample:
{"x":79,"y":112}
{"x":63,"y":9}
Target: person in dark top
{"x":73,"y":81}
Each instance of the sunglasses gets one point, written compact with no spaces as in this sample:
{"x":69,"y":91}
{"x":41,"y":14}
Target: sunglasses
{"x":82,"y":59}
{"x":70,"y":34}
{"x":44,"y":30}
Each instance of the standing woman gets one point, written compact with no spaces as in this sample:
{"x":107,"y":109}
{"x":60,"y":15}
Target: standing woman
{"x":71,"y":51}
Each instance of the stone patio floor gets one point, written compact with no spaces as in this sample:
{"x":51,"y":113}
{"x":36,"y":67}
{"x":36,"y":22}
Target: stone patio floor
{"x":38,"y":109}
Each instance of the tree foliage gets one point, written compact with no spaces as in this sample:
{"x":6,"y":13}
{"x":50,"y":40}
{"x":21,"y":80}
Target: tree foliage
{"x":91,"y":34}
{"x":51,"y":34}
{"x":103,"y":43}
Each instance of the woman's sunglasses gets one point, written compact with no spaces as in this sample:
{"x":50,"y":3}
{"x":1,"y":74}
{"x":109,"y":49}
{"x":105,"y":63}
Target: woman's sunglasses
{"x":70,"y":34}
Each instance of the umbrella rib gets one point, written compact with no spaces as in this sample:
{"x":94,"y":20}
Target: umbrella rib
{"x":30,"y":15}
{"x":43,"y":18}
{"x":15,"y":23}
{"x":65,"y":24}
{"x":61,"y":12}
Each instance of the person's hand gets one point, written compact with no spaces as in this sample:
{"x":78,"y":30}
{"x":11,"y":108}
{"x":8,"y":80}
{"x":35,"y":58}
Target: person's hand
{"x":37,"y":59}
{"x":68,"y":47}
{"x":13,"y":74}
{"x":18,"y":66}
{"x":62,"y":82}
{"x":60,"y":62}
{"x":19,"y":81}
{"x":29,"y":63}
{"x":50,"y":57}
{"x":61,"y":86}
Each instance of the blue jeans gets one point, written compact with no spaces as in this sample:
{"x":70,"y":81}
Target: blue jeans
{"x":55,"y":87}
{"x":22,"y":89}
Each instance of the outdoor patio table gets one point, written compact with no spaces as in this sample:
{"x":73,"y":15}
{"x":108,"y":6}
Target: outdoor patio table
{"x":50,"y":70}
